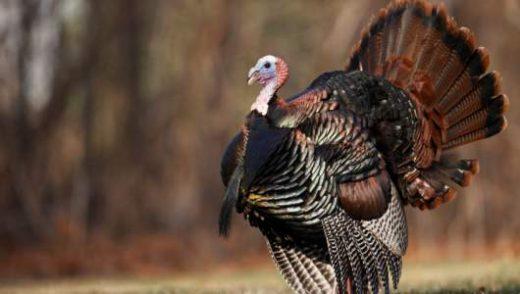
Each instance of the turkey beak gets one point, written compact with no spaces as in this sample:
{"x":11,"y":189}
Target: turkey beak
{"x":252,"y":76}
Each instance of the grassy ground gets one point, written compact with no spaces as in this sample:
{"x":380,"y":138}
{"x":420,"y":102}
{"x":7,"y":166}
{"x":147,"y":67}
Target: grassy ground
{"x":456,"y":277}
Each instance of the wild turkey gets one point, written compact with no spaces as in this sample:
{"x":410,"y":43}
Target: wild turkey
{"x":324,"y":174}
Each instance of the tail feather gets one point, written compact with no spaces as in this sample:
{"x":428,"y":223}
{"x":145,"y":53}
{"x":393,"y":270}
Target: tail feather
{"x":470,"y":124}
{"x":476,"y":99}
{"x":460,"y":172}
{"x":461,"y":177}
{"x":449,"y":69}
{"x":417,"y":47}
{"x":465,"y":82}
{"x":490,"y":130}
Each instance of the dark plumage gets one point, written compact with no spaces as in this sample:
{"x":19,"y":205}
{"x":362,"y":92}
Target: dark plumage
{"x":324,"y":175}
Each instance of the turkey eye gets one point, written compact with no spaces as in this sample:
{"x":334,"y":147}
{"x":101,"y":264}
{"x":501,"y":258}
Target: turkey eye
{"x":267,"y":65}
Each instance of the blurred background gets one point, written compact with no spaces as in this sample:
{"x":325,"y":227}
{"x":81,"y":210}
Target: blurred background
{"x":114,"y":116}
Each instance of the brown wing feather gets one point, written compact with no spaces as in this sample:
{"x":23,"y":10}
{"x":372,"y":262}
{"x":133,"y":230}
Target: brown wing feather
{"x":289,"y":114}
{"x":367,"y":198}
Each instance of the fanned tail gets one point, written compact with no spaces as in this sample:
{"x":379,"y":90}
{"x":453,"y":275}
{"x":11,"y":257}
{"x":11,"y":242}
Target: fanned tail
{"x":417,"y":47}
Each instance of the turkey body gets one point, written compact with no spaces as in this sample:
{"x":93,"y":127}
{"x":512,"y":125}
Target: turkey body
{"x":325,"y":174}
{"x":292,"y":177}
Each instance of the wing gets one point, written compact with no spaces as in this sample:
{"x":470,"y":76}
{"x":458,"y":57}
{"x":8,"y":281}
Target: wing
{"x":315,"y":99}
{"x":252,"y":147}
{"x":359,"y":255}
{"x":305,"y":266}
{"x":331,"y":114}
{"x":356,"y":166}
{"x":246,"y":155}
{"x":365,"y":253}
{"x":421,"y":50}
{"x":232,"y":156}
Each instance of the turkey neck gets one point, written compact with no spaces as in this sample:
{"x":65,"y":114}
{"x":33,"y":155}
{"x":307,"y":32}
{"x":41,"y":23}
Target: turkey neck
{"x":264,"y":98}
{"x":267,"y":93}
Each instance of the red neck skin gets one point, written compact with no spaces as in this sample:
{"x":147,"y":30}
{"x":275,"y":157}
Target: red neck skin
{"x":282,"y":74}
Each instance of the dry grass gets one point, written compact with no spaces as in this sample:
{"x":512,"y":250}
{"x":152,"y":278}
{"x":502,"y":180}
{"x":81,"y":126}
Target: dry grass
{"x":501,"y":276}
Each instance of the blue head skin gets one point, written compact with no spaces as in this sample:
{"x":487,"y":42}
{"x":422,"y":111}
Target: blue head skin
{"x":263,"y":72}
